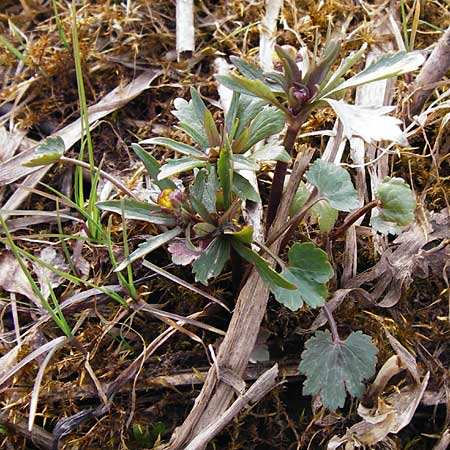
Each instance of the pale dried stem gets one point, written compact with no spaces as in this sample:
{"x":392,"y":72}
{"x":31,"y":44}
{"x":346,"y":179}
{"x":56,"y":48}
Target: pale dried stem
{"x":239,"y":341}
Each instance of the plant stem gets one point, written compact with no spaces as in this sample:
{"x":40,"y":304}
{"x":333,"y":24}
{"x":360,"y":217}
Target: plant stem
{"x":294,"y":125}
{"x":332,"y":322}
{"x":352,"y":218}
{"x":104,"y":174}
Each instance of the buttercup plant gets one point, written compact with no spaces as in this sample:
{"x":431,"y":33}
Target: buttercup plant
{"x":201,"y":217}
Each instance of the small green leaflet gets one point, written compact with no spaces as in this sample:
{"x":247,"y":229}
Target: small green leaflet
{"x":249,"y":70}
{"x":268,"y":122}
{"x":212,"y":260}
{"x":325,"y":214}
{"x":332,"y":368}
{"x":397,"y":205}
{"x":249,"y":87}
{"x":176,"y":146}
{"x":225,"y":172}
{"x":270,"y":276}
{"x":153,"y":167}
{"x":48,"y":152}
{"x":244,"y":189}
{"x":333,"y":183}
{"x":271,"y":152}
{"x":308,"y":270}
{"x":174,"y":166}
{"x":386,"y":67}
{"x":134,"y":209}
{"x":148,"y":246}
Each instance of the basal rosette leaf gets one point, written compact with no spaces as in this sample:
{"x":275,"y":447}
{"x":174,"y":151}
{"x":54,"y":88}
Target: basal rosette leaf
{"x":309,"y":270}
{"x":179,"y":147}
{"x":334,"y":184}
{"x":334,"y":368}
{"x":175,"y":166}
{"x":397,"y":206}
{"x":148,"y":246}
{"x":136,"y":210}
{"x":270,"y":152}
{"x":268,"y":122}
{"x":212,"y":260}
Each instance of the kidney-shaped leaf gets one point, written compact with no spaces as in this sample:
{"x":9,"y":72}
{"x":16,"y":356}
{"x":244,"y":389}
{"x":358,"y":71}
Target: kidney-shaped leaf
{"x":332,"y":368}
{"x":333,"y":183}
{"x":309,"y":270}
{"x":397,"y":205}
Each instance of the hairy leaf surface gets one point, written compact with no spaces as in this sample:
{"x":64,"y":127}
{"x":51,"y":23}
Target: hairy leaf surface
{"x":332,"y":368}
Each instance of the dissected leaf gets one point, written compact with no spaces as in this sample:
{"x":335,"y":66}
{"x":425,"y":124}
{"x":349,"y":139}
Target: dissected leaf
{"x":153,"y":167}
{"x":205,"y":187}
{"x":333,"y":183}
{"x":309,"y":270}
{"x":397,"y":206}
{"x":332,"y":368}
{"x":174,"y":166}
{"x":270,"y":276}
{"x":249,"y":87}
{"x":176,"y":146}
{"x":268,"y":122}
{"x":183,"y":254}
{"x":212,"y":260}
{"x":386,"y":67}
{"x":247,"y":109}
{"x":186,"y":113}
{"x":134,"y":209}
{"x":148,"y":246}
{"x":371,"y":123}
{"x":48,"y":152}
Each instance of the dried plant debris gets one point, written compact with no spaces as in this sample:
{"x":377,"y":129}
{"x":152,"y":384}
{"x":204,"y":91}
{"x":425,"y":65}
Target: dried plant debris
{"x":421,"y":251}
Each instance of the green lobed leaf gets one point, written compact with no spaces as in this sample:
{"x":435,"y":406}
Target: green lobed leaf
{"x":249,"y":87}
{"x":153,"y":167}
{"x":269,"y":122}
{"x":186,"y":113}
{"x":332,"y":368}
{"x":244,"y":189}
{"x":309,"y":270}
{"x":136,"y":210}
{"x":333,"y":183}
{"x":269,"y":275}
{"x":174,"y":166}
{"x":148,"y":246}
{"x":48,"y":152}
{"x":212,"y":260}
{"x":397,"y":204}
{"x":206,"y":186}
{"x":387,"y":66}
{"x":247,"y":109}
{"x":176,"y":146}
